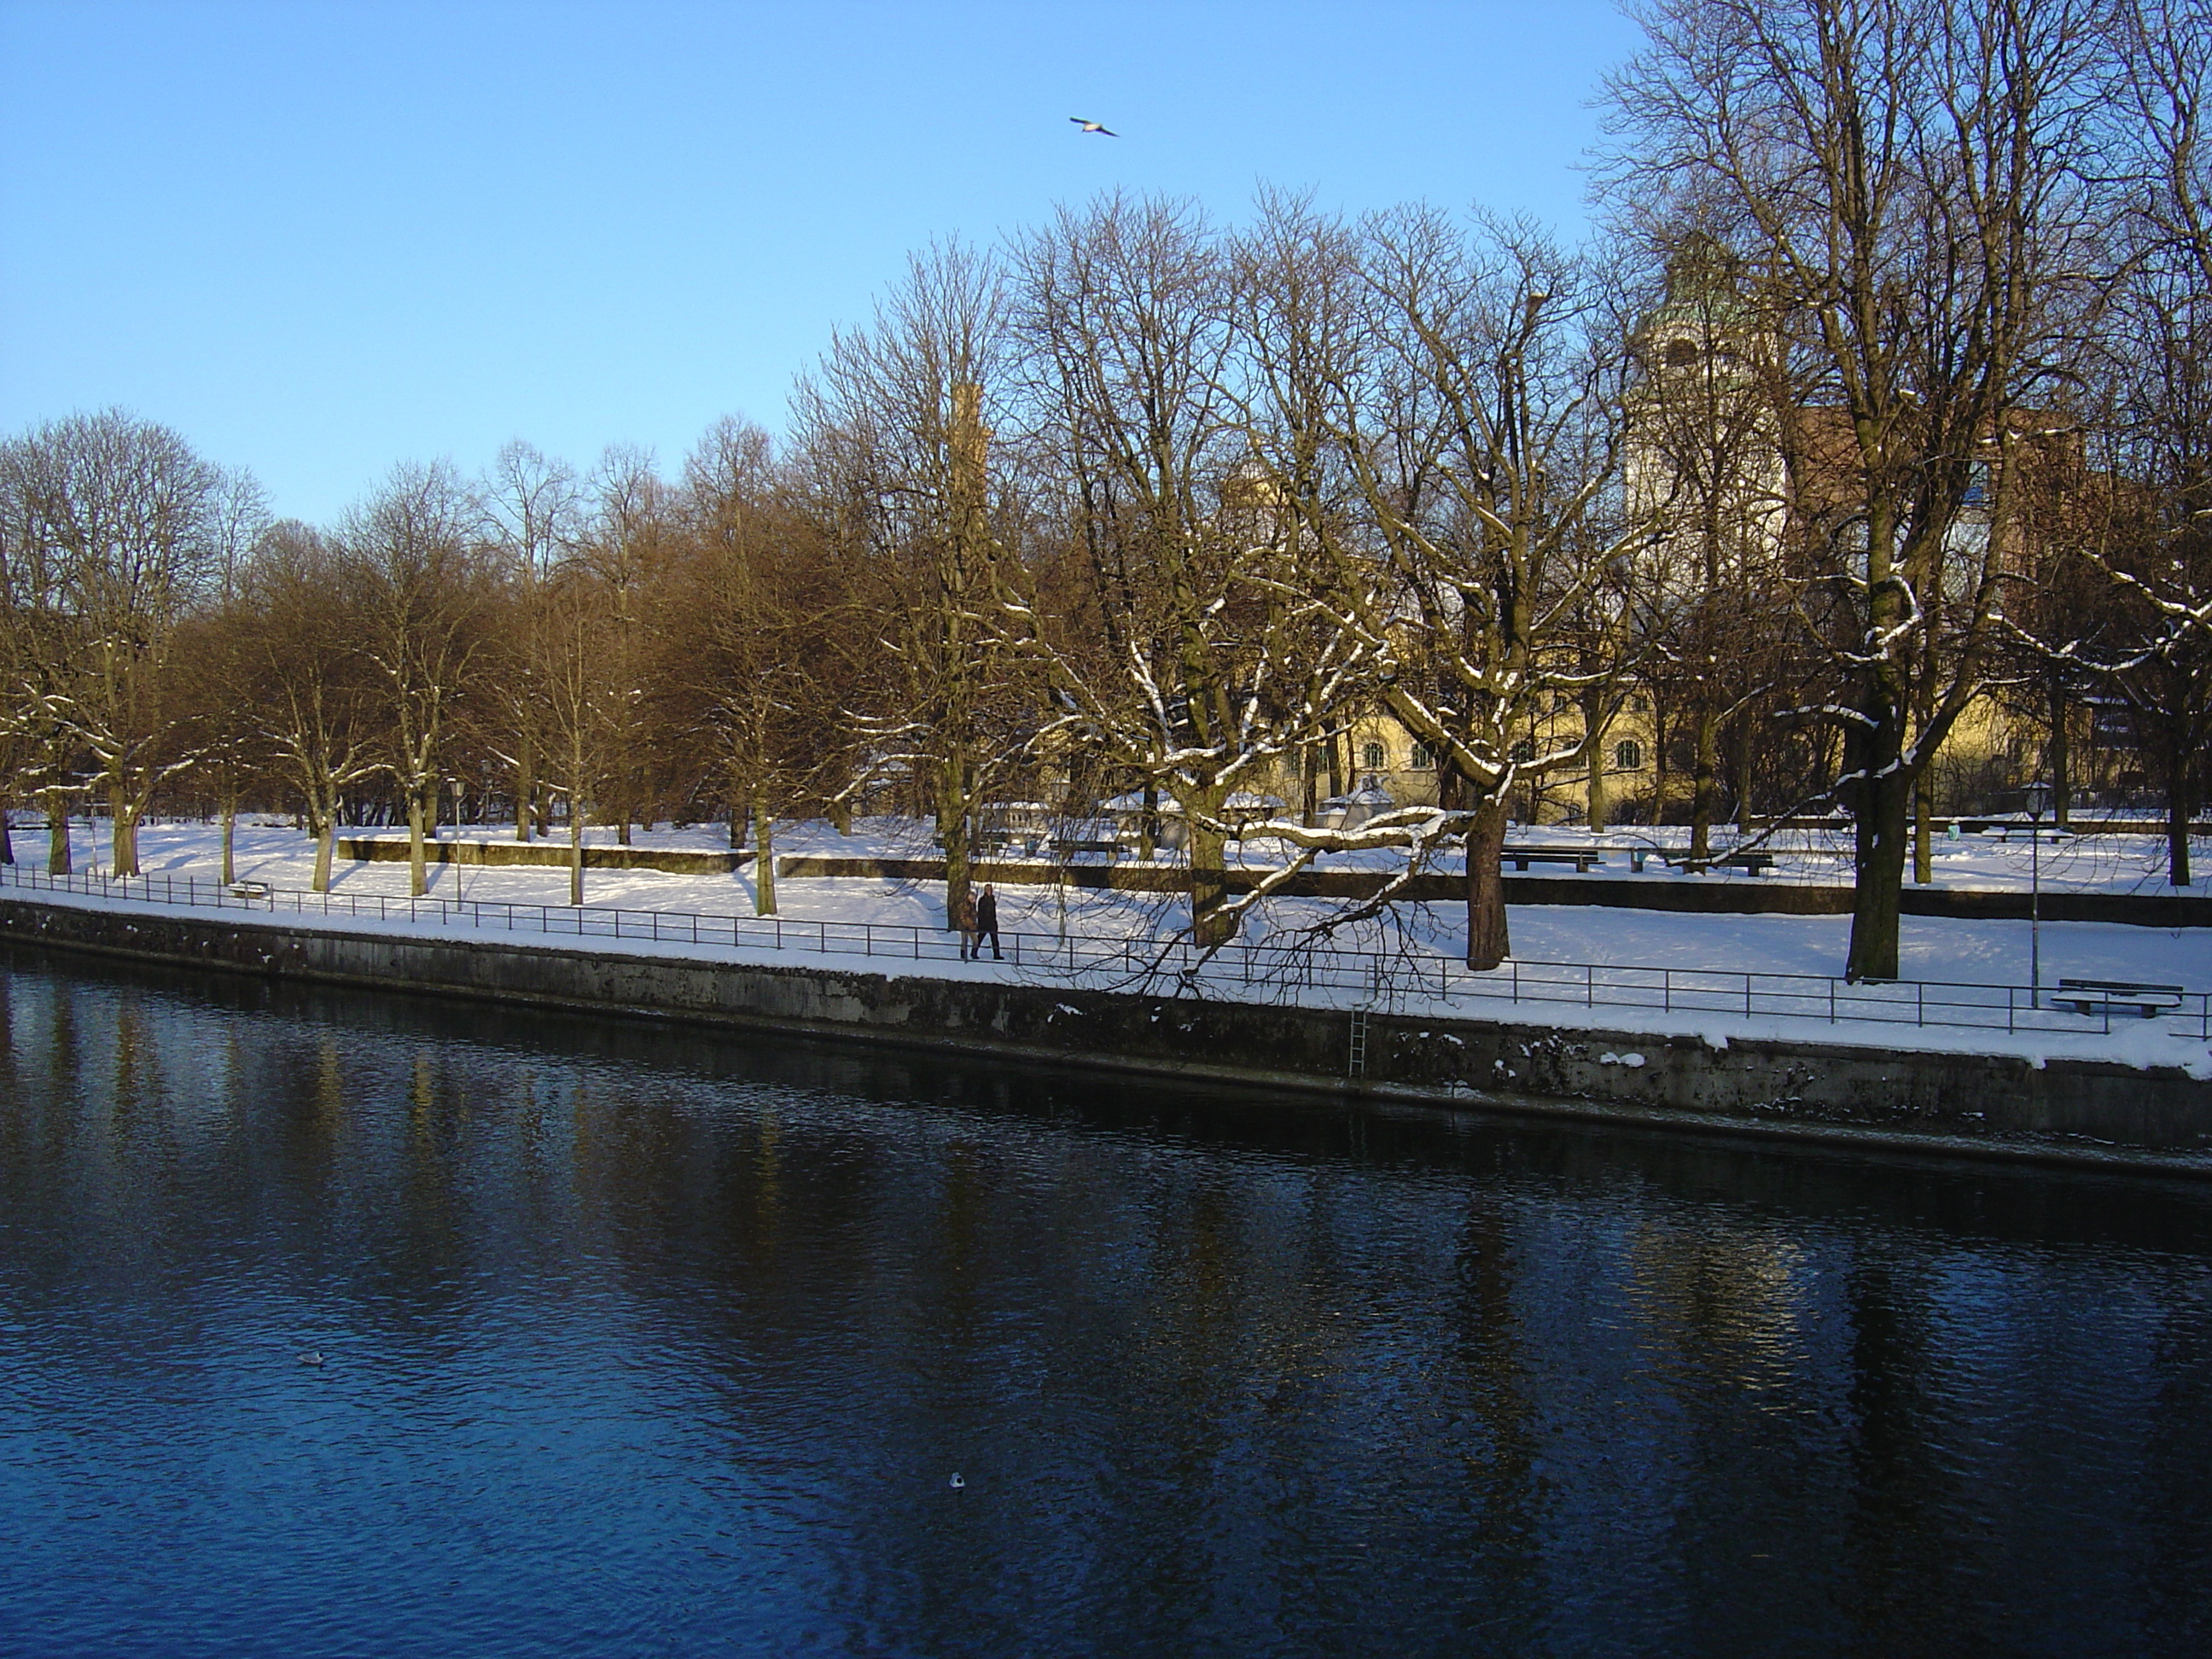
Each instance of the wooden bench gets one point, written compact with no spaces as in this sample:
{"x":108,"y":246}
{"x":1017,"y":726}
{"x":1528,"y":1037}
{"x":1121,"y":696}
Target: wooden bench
{"x":1522,"y":857}
{"x":2095,"y":996}
{"x":1065,"y":849}
{"x":1757,"y":863}
{"x":249,"y":889}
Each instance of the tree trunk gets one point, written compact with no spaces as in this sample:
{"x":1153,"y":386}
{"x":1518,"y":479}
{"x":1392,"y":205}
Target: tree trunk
{"x":1599,"y":809}
{"x":58,"y":835}
{"x":1923,"y":851}
{"x":418,"y":880}
{"x":326,"y":836}
{"x":122,"y":833}
{"x":1704,"y":786}
{"x":2062,"y":755}
{"x":1488,"y":941}
{"x":1209,"y":879}
{"x":1885,"y":804}
{"x":2178,"y":804}
{"x":952,"y":833}
{"x":6,"y":837}
{"x":526,"y":786}
{"x":229,"y":840}
{"x":576,"y":854}
{"x":1743,"y":758}
{"x":764,"y":858}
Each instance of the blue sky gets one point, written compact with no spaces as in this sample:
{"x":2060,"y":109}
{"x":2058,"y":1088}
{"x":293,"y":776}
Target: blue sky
{"x":319,"y":237}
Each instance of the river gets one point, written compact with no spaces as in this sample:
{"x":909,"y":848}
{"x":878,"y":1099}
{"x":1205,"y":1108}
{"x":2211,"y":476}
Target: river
{"x":335,"y":1323}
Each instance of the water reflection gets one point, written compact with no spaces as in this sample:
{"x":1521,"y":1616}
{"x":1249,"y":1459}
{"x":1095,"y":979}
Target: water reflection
{"x":642,"y":1340}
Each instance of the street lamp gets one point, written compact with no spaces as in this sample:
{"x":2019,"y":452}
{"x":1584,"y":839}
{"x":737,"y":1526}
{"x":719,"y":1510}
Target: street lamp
{"x":2038,"y":800}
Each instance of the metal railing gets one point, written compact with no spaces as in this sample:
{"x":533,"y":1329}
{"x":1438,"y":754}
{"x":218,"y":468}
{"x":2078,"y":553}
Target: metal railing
{"x":1281,"y":967}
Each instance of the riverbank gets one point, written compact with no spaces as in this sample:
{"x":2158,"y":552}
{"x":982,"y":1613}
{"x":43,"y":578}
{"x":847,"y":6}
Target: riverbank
{"x":2044,"y":1106}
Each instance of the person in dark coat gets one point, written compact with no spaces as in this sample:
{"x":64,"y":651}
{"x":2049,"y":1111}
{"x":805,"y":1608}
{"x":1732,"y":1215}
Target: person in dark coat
{"x":987,"y":924}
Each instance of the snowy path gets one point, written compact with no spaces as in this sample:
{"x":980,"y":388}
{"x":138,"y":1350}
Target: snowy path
{"x":1959,"y":952}
{"x":1977,"y":952}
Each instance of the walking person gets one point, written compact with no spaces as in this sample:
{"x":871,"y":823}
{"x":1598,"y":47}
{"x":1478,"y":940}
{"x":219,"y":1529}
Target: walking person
{"x":964,"y":918}
{"x":987,"y":924}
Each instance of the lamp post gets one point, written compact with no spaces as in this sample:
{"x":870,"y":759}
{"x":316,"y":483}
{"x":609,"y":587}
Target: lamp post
{"x":2038,"y":797}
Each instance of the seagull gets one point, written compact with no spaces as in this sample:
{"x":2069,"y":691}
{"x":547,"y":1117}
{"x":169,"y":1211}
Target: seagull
{"x":957,"y":1483}
{"x":1093,"y":126}
{"x":311,"y":1359}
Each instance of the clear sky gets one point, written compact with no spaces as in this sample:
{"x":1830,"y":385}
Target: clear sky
{"x":320,"y":236}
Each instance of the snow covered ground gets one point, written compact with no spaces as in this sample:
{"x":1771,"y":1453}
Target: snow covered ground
{"x":1993,"y":953}
{"x":1959,"y":952}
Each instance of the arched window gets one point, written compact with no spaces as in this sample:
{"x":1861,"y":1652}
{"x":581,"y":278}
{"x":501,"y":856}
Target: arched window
{"x":1628,"y":756}
{"x":1373,"y":757}
{"x":1680,"y":353}
{"x":1424,"y":758}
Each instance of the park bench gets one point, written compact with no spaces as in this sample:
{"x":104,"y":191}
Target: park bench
{"x":1582,"y":858}
{"x":1065,"y":848}
{"x":249,"y":889}
{"x":1753,"y":863}
{"x":1757,"y":863}
{"x":2096,"y":996}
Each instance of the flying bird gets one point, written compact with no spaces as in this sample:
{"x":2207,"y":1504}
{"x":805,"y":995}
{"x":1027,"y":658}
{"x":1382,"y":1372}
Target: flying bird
{"x":1093,"y":126}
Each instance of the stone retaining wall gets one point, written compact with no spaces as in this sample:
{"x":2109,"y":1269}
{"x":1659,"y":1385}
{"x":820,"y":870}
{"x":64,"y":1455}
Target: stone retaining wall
{"x":1855,"y":1093}
{"x":1753,"y":895}
{"x":678,"y":861}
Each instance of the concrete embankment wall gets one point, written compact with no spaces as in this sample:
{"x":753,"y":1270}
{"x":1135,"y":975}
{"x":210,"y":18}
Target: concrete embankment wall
{"x":1859,"y":1095}
{"x":1752,"y":896}
{"x":1756,"y":896}
{"x":677,"y":861}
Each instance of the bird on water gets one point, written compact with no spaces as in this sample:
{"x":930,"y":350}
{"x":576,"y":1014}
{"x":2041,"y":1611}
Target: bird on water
{"x":1093,"y":126}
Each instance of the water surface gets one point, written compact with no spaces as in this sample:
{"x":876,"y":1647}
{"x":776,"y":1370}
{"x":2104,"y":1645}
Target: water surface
{"x":640,"y":1342}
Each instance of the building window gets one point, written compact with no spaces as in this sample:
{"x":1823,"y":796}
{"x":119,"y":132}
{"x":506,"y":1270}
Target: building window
{"x":1638,"y":703}
{"x":1373,"y":759}
{"x":1524,"y":751}
{"x":1425,"y":758}
{"x":1628,"y":756}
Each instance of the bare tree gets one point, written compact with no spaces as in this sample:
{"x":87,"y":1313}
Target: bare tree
{"x":630,"y":533}
{"x":578,"y":701}
{"x":534,"y":504}
{"x":414,"y":556}
{"x":310,"y":690}
{"x":1167,"y":654}
{"x":1906,"y":181}
{"x":123,"y":527}
{"x":2155,"y":544}
{"x":904,"y":484}
{"x":749,"y":664}
{"x":1479,"y":562}
{"x":1705,"y":467}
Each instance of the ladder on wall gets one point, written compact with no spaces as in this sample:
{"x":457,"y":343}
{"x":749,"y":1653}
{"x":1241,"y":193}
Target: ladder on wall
{"x":1355,"y":1059}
